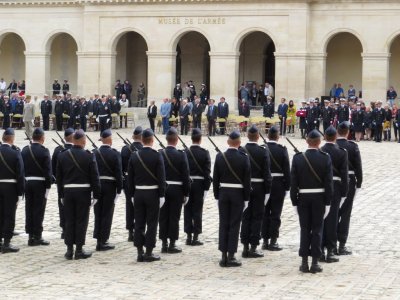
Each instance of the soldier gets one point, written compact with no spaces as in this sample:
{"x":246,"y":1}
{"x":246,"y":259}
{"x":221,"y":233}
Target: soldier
{"x":83,"y":113}
{"x":355,"y":182}
{"x":312,"y":116}
{"x":56,"y":87}
{"x":311,"y":194}
{"x":46,"y":108}
{"x":38,"y":176}
{"x":280,"y":173}
{"x":7,"y":112}
{"x":340,"y":188}
{"x":126,"y":153}
{"x":268,"y":109}
{"x":200,"y":168}
{"x":110,"y":171}
{"x":68,"y":109}
{"x":232,"y":186}
{"x":146,"y":182}
{"x":103,"y":113}
{"x":77,"y":177}
{"x":261,"y":188}
{"x":75,"y":113}
{"x":59,"y":110}
{"x":68,"y":136}
{"x":378,"y":118}
{"x":358,"y":120}
{"x":65,"y":87}
{"x":343,"y":112}
{"x":177,"y":192}
{"x":12,"y":185}
{"x":327,"y":114}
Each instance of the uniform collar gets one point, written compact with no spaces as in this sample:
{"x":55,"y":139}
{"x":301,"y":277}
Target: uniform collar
{"x":341,"y":138}
{"x":272,"y":142}
{"x":252,"y":143}
{"x":330,"y":143}
{"x":105,"y":145}
{"x":6,"y":144}
{"x":170,"y":146}
{"x":312,"y":148}
{"x":232,"y":148}
{"x":195,"y":145}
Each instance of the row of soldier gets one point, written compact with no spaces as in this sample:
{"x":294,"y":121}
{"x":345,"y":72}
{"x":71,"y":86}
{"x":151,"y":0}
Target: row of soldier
{"x":249,"y":184}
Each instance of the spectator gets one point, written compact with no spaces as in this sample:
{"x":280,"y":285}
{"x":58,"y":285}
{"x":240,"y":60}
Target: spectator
{"x":302,"y":114}
{"x":119,"y":89}
{"x":128,"y":91}
{"x":244,"y":110}
{"x":339,"y":93}
{"x":282,"y":113}
{"x":332,"y":92}
{"x":141,"y":93}
{"x":65,"y":87}
{"x":178,"y":91}
{"x":368,"y":123}
{"x":28,"y":116}
{"x":203,"y":95}
{"x":387,"y":125}
{"x":358,"y":121}
{"x":260,"y":95}
{"x":243,"y":92}
{"x":211,"y":117}
{"x":165,"y":112}
{"x":56,"y":87}
{"x":21,"y":88}
{"x":391,"y":96}
{"x":192,"y":90}
{"x":291,"y":116}
{"x":269,"y":90}
{"x":115,"y":111}
{"x":7,"y":112}
{"x":351,"y":93}
{"x":12,"y":87}
{"x":394,"y":117}
{"x":268,"y":109}
{"x":152,"y":114}
{"x":3,"y":86}
{"x":185,"y":92}
{"x":184,"y":113}
{"x":197,"y":112}
{"x":223,"y":113}
{"x":397,"y":123}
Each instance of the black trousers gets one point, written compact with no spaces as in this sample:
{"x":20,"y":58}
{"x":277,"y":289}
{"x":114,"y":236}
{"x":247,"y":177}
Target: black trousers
{"x":61,"y":214}
{"x":129,"y":209}
{"x":83,"y":122}
{"x":103,"y":124}
{"x":71,"y":121}
{"x":253,"y":216}
{"x":8,"y":208}
{"x":326,"y":125}
{"x":273,"y":210}
{"x":193,"y":210}
{"x":147,"y":208}
{"x":46,"y":122}
{"x":311,"y":210}
{"x":230,"y":206}
{"x":104,"y":211}
{"x":329,"y":237}
{"x":59,"y":122}
{"x":378,"y":132}
{"x":345,"y":212}
{"x":211,"y":127}
{"x":310,"y":126}
{"x":222,"y":127}
{"x":170,"y":213}
{"x":35,"y":206}
{"x":184,"y":125}
{"x":6,"y":121}
{"x":282,"y":126}
{"x":76,"y":211}
{"x":151,"y":120}
{"x":197,"y":122}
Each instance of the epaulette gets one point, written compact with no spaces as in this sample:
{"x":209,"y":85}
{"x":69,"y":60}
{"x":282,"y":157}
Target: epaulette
{"x":88,"y":151}
{"x":345,"y":150}
{"x":244,"y":153}
{"x":298,"y":153}
{"x":352,"y":142}
{"x":15,"y":148}
{"x":114,"y":149}
{"x":283,"y":146}
{"x":323,"y":152}
{"x":181,"y":150}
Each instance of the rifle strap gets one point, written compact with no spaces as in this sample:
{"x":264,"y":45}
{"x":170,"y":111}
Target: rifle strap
{"x":35,"y":160}
{"x":231,"y":169}
{"x":164,"y":152}
{"x":76,"y":163}
{"x":252,"y":159}
{"x":145,"y":167}
{"x":104,"y":161}
{"x":195,"y":161}
{"x":274,"y":160}
{"x":6,"y":164}
{"x":312,"y":169}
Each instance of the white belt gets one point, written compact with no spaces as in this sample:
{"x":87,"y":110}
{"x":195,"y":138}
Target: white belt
{"x":277,"y":174}
{"x":337,"y":178}
{"x":102,"y":116}
{"x":257,"y":180}
{"x":197,"y":177}
{"x":107,"y":178}
{"x":77,"y":185}
{"x":232,"y":185}
{"x":352,"y":173}
{"x":311,"y":191}
{"x":146,"y":187}
{"x":8,"y":181}
{"x":35,"y":178}
{"x":126,"y":173}
{"x":174,"y":182}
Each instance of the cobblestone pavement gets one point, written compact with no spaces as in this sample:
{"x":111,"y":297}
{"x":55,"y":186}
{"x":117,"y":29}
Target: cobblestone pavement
{"x":371,"y":272}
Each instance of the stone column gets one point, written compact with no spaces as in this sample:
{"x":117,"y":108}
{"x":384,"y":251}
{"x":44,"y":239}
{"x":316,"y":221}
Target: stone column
{"x":224,"y":76}
{"x":161,"y":74}
{"x":375,"y":76}
{"x":316,"y":75}
{"x":88,"y":73}
{"x":107,"y":72}
{"x":38,"y":73}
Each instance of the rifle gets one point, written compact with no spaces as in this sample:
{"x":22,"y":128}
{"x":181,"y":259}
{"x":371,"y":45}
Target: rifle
{"x":216,"y":147}
{"x":90,"y":140}
{"x":320,"y":132}
{"x":294,"y":147}
{"x":263,"y":138}
{"x":29,"y":139}
{"x":62,"y":140}
{"x":183,"y":143}
{"x":159,"y":142}
{"x":58,"y":144}
{"x":125,"y":142}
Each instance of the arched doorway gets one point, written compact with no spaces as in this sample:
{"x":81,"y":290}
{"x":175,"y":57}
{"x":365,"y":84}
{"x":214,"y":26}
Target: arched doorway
{"x":63,"y":61}
{"x":394,"y":64}
{"x":256,"y":62}
{"x":12,"y":58}
{"x":193,"y":60}
{"x":131,"y":64}
{"x":344,"y":63}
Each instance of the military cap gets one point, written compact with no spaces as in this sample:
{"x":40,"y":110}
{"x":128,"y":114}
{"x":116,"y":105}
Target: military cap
{"x":303,"y":101}
{"x":172,"y":131}
{"x":9,"y":131}
{"x":68,"y":132}
{"x":196,"y":132}
{"x":138,"y":130}
{"x":253,"y":129}
{"x":342,"y":100}
{"x":273,"y":130}
{"x":147,"y":133}
{"x":234,"y":135}
{"x":326,"y":100}
{"x":344,"y":125}
{"x":106,"y":133}
{"x":330,"y":131}
{"x":79,"y":134}
{"x":38,"y":131}
{"x":314,"y":134}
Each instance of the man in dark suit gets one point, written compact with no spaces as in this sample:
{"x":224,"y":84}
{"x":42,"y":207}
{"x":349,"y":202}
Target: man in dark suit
{"x":56,"y":87}
{"x":184,"y":113}
{"x":127,"y":90}
{"x":65,"y":87}
{"x":152,"y":114}
{"x":282,"y":113}
{"x":211,"y":117}
{"x":46,"y":108}
{"x":268,"y":108}
{"x":178,"y":92}
{"x":197,"y":112}
{"x":223,"y":113}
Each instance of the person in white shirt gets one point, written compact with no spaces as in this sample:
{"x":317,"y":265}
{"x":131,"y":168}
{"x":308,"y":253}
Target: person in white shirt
{"x":3,"y":85}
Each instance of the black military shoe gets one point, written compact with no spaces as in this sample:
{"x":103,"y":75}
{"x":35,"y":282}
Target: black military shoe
{"x":82,"y":254}
{"x":224,"y":259}
{"x":173,"y":248}
{"x":9,"y":248}
{"x":150,"y":257}
{"x":105,"y":247}
{"x":274,"y":246}
{"x":265,"y":245}
{"x":343,"y":250}
{"x":254,"y":253}
{"x":62,"y":235}
{"x":195,"y":241}
{"x":164,"y":247}
{"x":245,"y":252}
{"x":315,"y":267}
{"x":232,"y":261}
{"x":304,"y":265}
{"x":130,"y":236}
{"x":140,"y":254}
{"x":189,"y":239}
{"x":69,"y":254}
{"x":330,"y":257}
{"x":38,"y":241}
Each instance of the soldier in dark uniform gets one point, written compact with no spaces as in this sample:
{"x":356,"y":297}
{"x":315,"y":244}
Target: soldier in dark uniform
{"x":146,"y":182}
{"x":75,"y":113}
{"x":340,"y":188}
{"x":355,"y":182}
{"x":38,"y":176}
{"x":358,"y":121}
{"x":268,"y":109}
{"x":12,"y":185}
{"x":83,"y":113}
{"x":280,"y":173}
{"x":312,"y":116}
{"x":7,"y":111}
{"x":58,"y":111}
{"x":68,"y":110}
{"x":103,"y":113}
{"x":56,"y":87}
{"x":126,"y":153}
{"x":77,"y":177}
{"x":261,"y":188}
{"x":68,"y":136}
{"x":46,"y":108}
{"x":177,"y":192}
{"x":232,"y":186}
{"x":343,"y":113}
{"x":302,"y":113}
{"x":327,"y":114}
{"x":200,"y":168}
{"x":311,"y":194}
{"x":65,"y":87}
{"x":110,"y":171}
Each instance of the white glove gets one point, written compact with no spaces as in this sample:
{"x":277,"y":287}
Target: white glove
{"x":116,"y":198}
{"x":33,"y":122}
{"x":327,"y":209}
{"x":20,"y":198}
{"x":356,"y":192}
{"x":97,"y":119}
{"x":266,"y":199}
{"x":162,"y":201}
{"x":216,"y":200}
{"x":62,"y":201}
{"x":342,"y":201}
{"x":205,"y":195}
{"x":246,"y":205}
{"x":94,"y":201}
{"x":46,"y":195}
{"x":133,"y":201}
{"x":296,"y":210}
{"x":185,"y":200}
{"x":286,"y":194}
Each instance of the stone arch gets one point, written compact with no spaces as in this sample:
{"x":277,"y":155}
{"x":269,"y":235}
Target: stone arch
{"x":328,"y":37}
{"x":48,"y":41}
{"x":179,"y":34}
{"x":244,"y":33}
{"x":118,"y":34}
